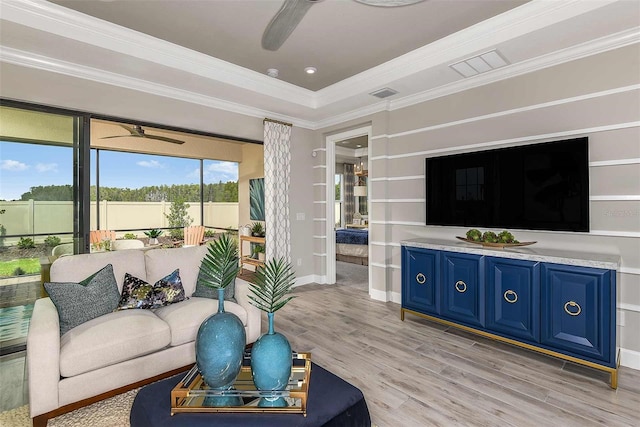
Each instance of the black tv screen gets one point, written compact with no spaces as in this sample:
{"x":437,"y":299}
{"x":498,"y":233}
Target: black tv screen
{"x":537,"y":187}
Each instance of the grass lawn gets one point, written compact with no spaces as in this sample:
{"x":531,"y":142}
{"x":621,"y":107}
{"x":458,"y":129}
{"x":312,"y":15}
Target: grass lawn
{"x":29,"y":265}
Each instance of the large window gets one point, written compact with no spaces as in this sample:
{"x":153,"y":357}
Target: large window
{"x":38,"y":189}
{"x":133,"y":192}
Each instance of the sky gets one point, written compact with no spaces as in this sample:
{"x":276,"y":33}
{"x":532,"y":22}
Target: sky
{"x":23,"y":166}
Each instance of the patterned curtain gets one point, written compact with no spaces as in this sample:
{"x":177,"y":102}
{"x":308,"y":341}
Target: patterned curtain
{"x":348,"y":199}
{"x":277,"y":159}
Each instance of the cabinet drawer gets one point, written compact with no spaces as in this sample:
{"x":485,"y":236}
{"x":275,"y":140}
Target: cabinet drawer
{"x":463,"y":288}
{"x":577,"y":310}
{"x":420,"y":280}
{"x":513,"y":298}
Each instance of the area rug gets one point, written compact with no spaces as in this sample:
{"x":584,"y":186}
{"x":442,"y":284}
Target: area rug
{"x":113,"y":412}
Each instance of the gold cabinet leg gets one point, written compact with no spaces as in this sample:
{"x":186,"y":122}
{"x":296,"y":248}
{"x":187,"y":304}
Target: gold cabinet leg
{"x":402,"y":314}
{"x":614,"y":379}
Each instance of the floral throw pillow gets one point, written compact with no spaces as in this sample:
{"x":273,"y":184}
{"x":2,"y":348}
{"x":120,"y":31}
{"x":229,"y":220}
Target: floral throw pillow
{"x":136,"y":293}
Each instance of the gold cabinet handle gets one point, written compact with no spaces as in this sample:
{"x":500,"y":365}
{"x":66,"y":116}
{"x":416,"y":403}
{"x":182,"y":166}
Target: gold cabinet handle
{"x":421,"y":278}
{"x":575,"y":306}
{"x":461,"y":286}
{"x":510,"y":296}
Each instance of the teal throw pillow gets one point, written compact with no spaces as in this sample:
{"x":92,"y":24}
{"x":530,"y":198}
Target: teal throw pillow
{"x":77,"y":303}
{"x":136,"y":293}
{"x":204,"y":291}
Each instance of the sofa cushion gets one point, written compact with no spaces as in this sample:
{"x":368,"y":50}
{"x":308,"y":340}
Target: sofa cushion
{"x":74,"y":268}
{"x":136,"y":293}
{"x":160,"y":262}
{"x":185,"y":318}
{"x":111,"y":339}
{"x":80,"y":302}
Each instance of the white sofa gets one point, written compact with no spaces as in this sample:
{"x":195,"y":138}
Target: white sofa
{"x":122,"y":349}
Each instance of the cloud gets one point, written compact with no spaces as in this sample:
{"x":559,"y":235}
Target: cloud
{"x":221,"y":171}
{"x":153,"y":164}
{"x":47,"y":167}
{"x":13,"y":165}
{"x":217,"y":171}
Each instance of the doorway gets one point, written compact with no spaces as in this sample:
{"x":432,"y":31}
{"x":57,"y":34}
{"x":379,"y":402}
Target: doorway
{"x":342,"y":148}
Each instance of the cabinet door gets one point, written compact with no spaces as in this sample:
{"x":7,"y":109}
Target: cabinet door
{"x":513,"y":298}
{"x":577,"y":310}
{"x":420,"y":280}
{"x":463,"y":288}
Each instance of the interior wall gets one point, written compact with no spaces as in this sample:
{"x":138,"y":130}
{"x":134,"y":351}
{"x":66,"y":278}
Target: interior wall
{"x":597,"y":96}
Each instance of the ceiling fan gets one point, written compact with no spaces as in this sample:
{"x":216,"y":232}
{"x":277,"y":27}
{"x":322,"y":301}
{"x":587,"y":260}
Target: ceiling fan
{"x":136,"y":131}
{"x":292,"y":12}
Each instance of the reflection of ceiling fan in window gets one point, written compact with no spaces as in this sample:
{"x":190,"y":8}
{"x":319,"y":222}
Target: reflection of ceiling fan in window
{"x":136,"y":131}
{"x":292,"y":12}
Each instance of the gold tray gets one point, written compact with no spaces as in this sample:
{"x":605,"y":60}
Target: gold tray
{"x":193,"y":395}
{"x":495,"y":245}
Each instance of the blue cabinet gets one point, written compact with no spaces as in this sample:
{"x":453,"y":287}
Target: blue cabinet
{"x":420,"y":279}
{"x":463,"y":288}
{"x":577,"y":310}
{"x":563,"y":310}
{"x":513,"y":298}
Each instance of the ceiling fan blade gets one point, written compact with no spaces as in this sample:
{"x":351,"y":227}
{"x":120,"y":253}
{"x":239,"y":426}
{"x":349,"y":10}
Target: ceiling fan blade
{"x":284,"y":22}
{"x":165,"y":139}
{"x":122,"y":136}
{"x":130,"y":129}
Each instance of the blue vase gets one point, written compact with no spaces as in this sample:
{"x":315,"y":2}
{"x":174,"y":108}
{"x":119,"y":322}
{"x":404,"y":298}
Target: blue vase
{"x":220,"y":347}
{"x":271,"y":360}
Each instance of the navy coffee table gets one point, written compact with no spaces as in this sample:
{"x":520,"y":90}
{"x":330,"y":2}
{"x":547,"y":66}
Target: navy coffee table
{"x":331,"y":402}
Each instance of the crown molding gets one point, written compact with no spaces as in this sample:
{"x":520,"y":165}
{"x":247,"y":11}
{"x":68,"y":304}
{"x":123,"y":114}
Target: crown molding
{"x":31,"y":60}
{"x":524,"y":19}
{"x":52,"y":18}
{"x":592,"y":47}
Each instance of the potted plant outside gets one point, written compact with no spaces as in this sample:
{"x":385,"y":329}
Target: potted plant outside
{"x":271,"y":354}
{"x":259,"y":252}
{"x":221,"y":337}
{"x":257,"y":229}
{"x":153,"y":235}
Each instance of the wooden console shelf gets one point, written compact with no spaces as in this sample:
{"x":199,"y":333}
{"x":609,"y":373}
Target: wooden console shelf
{"x":246,"y":259}
{"x":558,"y":303}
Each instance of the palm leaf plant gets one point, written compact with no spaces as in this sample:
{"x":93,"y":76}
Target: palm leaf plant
{"x":271,"y":353}
{"x":220,"y":266}
{"x":273,"y":282}
{"x":221,"y":337}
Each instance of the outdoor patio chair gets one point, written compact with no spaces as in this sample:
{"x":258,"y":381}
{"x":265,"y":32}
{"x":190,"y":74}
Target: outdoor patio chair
{"x":62,"y":249}
{"x":193,"y":236}
{"x":97,"y":236}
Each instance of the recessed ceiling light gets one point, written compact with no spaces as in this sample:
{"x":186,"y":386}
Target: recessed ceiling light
{"x":272,"y":72}
{"x":310,"y":70}
{"x":358,"y":145}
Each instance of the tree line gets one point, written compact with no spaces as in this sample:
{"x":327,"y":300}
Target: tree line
{"x":220,"y":192}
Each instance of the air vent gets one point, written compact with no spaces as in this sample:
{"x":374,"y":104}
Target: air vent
{"x":384,"y":93}
{"x":479,"y":64}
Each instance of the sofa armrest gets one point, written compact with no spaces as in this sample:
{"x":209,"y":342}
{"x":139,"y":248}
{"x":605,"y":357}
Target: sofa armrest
{"x":43,"y":357}
{"x":254,"y":315}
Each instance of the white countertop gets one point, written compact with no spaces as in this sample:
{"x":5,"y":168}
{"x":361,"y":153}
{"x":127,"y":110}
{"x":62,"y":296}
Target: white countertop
{"x":530,"y":253}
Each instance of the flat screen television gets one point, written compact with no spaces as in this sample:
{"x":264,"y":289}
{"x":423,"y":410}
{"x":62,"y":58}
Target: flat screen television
{"x":538,"y":187}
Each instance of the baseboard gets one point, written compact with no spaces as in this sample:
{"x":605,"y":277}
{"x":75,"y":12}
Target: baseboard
{"x":385,"y":296}
{"x":630,"y":358}
{"x":311,"y":278}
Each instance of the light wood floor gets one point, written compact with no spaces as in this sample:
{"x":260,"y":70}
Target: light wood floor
{"x":419,"y":373}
